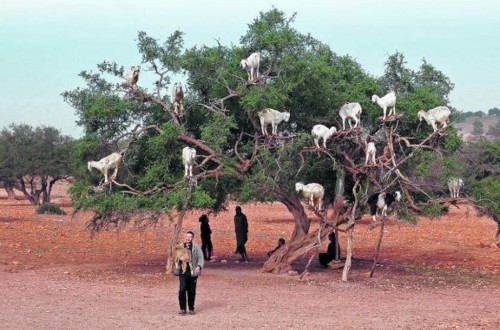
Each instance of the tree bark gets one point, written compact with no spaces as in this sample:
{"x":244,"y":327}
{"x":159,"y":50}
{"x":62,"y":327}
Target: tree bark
{"x":280,"y":261}
{"x":9,"y":189}
{"x":377,"y":250}
{"x":177,"y":227}
{"x":173,"y":242}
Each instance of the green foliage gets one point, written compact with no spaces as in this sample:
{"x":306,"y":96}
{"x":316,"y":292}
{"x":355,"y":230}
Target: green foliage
{"x":49,"y":208}
{"x":302,"y":75}
{"x":27,"y":150}
{"x":487,"y":194}
{"x":434,"y":210}
{"x":494,"y":112}
{"x":216,"y":131}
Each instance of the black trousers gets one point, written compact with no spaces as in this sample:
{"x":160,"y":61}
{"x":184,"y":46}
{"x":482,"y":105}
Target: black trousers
{"x":187,"y":287}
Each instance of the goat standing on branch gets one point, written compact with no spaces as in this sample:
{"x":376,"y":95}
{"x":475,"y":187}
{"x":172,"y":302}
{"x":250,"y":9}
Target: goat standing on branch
{"x":371,"y":152}
{"x":188,"y":157}
{"x":323,"y":132}
{"x":380,"y":202}
{"x":454,"y":184}
{"x":350,"y":111}
{"x":437,"y":115}
{"x":273,"y":117}
{"x":385,"y":102}
{"x":106,"y":164}
{"x":132,"y":76}
{"x":251,"y":66}
{"x":313,"y":192}
{"x":177,"y":99}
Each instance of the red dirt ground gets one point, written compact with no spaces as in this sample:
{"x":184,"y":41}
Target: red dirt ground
{"x":438,"y":274}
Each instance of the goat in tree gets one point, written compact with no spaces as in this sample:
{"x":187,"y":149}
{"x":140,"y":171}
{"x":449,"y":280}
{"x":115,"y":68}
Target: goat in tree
{"x":106,"y":164}
{"x":132,"y":76}
{"x":177,"y":99}
{"x":436,"y":115}
{"x":454,"y":184}
{"x":273,"y":117}
{"x":381,"y":201}
{"x":251,"y":66}
{"x":371,"y":152}
{"x":322,"y":132}
{"x":388,"y":101}
{"x":313,"y":192}
{"x":188,"y":157}
{"x":350,"y":111}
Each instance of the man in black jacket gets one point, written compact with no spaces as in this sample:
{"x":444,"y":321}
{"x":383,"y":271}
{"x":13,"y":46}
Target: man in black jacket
{"x":189,"y":268}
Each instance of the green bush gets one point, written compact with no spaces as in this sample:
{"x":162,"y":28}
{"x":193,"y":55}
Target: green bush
{"x":434,"y":210}
{"x":49,"y":208}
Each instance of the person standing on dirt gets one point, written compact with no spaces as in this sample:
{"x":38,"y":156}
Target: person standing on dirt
{"x":331,"y":252}
{"x":206,"y":240}
{"x":241,"y":230}
{"x":189,"y":274}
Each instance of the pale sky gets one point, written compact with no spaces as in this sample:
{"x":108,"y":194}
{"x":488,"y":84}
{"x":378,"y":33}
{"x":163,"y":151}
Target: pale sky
{"x":44,"y":44}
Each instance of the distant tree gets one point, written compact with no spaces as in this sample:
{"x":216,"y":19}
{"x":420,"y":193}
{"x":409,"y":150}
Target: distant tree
{"x":33,"y":159}
{"x":494,"y":112}
{"x":494,"y":131}
{"x":478,"y":127}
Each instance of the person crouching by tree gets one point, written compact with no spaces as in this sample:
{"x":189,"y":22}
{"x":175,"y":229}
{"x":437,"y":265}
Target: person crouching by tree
{"x":281,"y":242}
{"x":241,"y":230}
{"x":190,"y":265}
{"x":206,"y":240}
{"x":331,"y":252}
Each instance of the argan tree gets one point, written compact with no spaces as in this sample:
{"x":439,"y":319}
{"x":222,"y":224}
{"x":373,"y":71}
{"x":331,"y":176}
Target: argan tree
{"x":298,"y":74}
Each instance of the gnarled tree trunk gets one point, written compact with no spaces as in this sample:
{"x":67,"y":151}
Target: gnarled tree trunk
{"x":280,"y":261}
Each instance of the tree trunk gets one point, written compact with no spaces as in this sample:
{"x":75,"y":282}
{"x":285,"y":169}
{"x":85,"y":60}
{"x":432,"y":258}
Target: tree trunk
{"x":43,"y":191}
{"x":177,"y":227}
{"x":350,"y":230}
{"x":377,"y":250}
{"x":348,"y":257}
{"x":173,"y":242}
{"x":302,"y":222}
{"x":280,"y":261}
{"x":9,"y":188}
{"x":30,"y":196}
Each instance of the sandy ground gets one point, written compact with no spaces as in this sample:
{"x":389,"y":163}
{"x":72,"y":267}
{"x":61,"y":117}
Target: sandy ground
{"x":438,"y":274}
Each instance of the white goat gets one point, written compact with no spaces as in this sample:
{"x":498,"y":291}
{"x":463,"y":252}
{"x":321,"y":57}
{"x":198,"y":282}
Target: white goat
{"x":371,"y":152}
{"x":132,"y":76}
{"x":437,"y":115}
{"x":106,"y":164}
{"x":385,"y":102}
{"x":454,"y":184}
{"x":313,"y":192}
{"x":251,"y":66}
{"x":323,"y":132}
{"x":350,"y":111}
{"x":188,"y":157}
{"x":273,"y":117}
{"x":177,"y":99}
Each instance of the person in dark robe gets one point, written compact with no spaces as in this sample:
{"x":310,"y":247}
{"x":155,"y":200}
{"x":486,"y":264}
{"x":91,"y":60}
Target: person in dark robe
{"x":241,"y":230}
{"x":206,"y":240}
{"x":331,"y":252}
